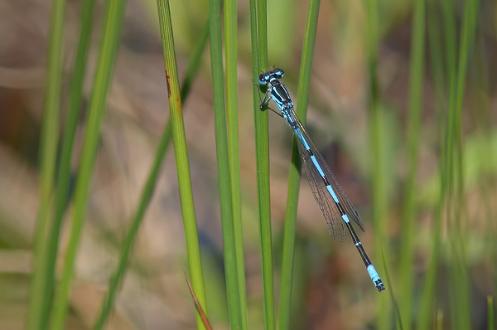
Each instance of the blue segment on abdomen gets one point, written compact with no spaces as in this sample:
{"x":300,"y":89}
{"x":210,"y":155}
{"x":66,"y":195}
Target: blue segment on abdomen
{"x":373,"y":274}
{"x":316,"y":164}
{"x":332,"y":193}
{"x":302,"y":139}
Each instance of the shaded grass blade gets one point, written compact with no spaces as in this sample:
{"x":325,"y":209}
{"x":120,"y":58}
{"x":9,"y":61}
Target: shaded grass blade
{"x":427,"y":299}
{"x":149,"y":188}
{"x":64,"y":171}
{"x":48,"y":149}
{"x":395,"y":305}
{"x":451,"y":168}
{"x":181,"y":154}
{"x":376,"y":128}
{"x":223,"y":166}
{"x":231,"y":60}
{"x":287,"y":264}
{"x":105,"y":64}
{"x":416,"y":75}
{"x":490,"y":313}
{"x":258,"y":33}
{"x":461,"y":312}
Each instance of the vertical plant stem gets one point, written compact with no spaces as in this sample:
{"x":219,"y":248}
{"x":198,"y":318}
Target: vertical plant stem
{"x":181,"y":154}
{"x":427,"y":300}
{"x":287,"y":264}
{"x":105,"y":64}
{"x":223,"y":163}
{"x":377,"y":154}
{"x":48,"y":150}
{"x":64,"y":172}
{"x":231,"y":59}
{"x":460,"y":272}
{"x":149,"y":188}
{"x":490,"y":313}
{"x":258,"y":31}
{"x":416,"y":75}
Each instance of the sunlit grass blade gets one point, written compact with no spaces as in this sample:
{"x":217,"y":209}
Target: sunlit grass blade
{"x":149,"y":187}
{"x":48,"y":149}
{"x":258,"y":35}
{"x":416,"y":75}
{"x":104,"y":69}
{"x":231,"y":60}
{"x":198,"y":307}
{"x":287,"y":263}
{"x":181,"y":154}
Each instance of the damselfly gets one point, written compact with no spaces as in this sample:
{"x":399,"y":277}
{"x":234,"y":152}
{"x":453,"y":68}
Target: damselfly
{"x":336,"y":207}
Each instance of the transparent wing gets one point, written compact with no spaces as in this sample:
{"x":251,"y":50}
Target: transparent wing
{"x":323,"y":197}
{"x":328,"y":208}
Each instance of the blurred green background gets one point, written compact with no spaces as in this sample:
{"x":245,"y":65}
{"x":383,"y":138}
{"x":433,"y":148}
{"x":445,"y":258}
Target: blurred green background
{"x":402,"y":104}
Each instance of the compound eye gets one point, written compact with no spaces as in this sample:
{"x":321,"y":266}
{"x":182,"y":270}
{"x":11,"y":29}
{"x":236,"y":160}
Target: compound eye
{"x":279,"y":73}
{"x":262,"y":79}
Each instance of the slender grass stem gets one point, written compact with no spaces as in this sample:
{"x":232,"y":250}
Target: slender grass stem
{"x":181,"y":154}
{"x":427,"y":302}
{"x":105,"y":64}
{"x":413,"y":142}
{"x":48,"y":150}
{"x":64,"y":172}
{"x":378,"y":189}
{"x":490,"y":313}
{"x":451,"y":169}
{"x":231,"y":59}
{"x":149,"y":187}
{"x":223,"y":164}
{"x":461,"y":312}
{"x":258,"y":31}
{"x":287,"y":264}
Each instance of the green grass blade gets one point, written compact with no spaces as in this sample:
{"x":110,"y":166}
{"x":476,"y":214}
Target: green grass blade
{"x":200,"y":310}
{"x":376,"y":129}
{"x":64,"y":172}
{"x":462,"y":304}
{"x":194,"y":63}
{"x":231,"y":60}
{"x":48,"y":150}
{"x":451,"y":168}
{"x":287,"y":263}
{"x":427,"y":300}
{"x":105,"y":64}
{"x":181,"y":154}
{"x":149,"y":188}
{"x":490,"y":313}
{"x":413,"y":142}
{"x":258,"y":31}
{"x":224,"y":180}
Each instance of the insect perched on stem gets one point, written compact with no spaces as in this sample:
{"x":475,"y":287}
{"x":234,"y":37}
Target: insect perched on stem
{"x":335,"y":205}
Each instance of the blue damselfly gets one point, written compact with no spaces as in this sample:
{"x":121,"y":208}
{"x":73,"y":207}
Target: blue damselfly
{"x":335,"y":205}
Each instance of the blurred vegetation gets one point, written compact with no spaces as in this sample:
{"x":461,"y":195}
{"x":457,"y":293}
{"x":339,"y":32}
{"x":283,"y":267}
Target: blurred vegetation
{"x":100,"y":220}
